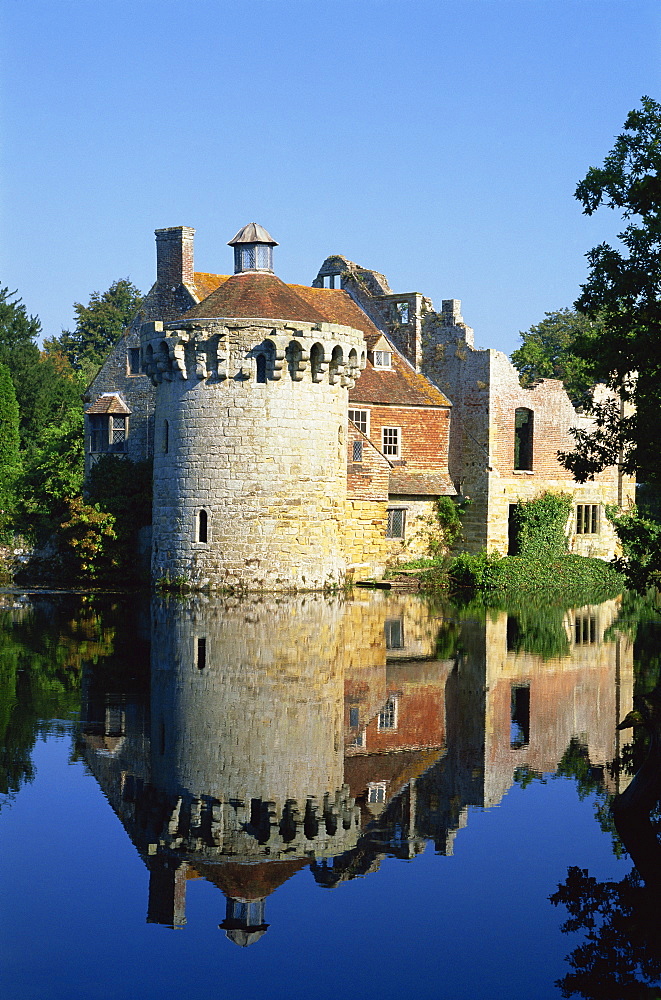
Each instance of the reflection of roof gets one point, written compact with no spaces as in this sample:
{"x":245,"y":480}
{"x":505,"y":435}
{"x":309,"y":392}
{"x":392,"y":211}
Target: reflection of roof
{"x":422,"y":483}
{"x":255,"y":294}
{"x":109,"y":402}
{"x":252,"y":880}
{"x":397,"y":768}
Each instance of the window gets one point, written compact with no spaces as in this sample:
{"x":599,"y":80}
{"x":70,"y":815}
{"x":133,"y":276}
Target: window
{"x":332,"y":281}
{"x":107,"y":433}
{"x":519,"y":716}
{"x":394,"y":631}
{"x":253,"y":257}
{"x":357,"y":451}
{"x":376,"y":792}
{"x":587,"y":519}
{"x":396,"y":522}
{"x":133,"y":360}
{"x":523,"y":426}
{"x":391,"y":440}
{"x":166,"y":436}
{"x":260,"y":375}
{"x":202,"y":526}
{"x":402,"y":309}
{"x":354,"y":716}
{"x":382,"y":359}
{"x":585,"y":630}
{"x":388,"y":714}
{"x":361,"y":418}
{"x":201,"y":652}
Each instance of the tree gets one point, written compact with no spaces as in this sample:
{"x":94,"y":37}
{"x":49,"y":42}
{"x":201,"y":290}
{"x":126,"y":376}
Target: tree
{"x":548,"y":351}
{"x":623,"y":292}
{"x":10,"y":462}
{"x":99,"y":325}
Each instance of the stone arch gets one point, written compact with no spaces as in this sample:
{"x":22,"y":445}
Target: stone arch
{"x":317,"y":362}
{"x":294,"y":355}
{"x":264,"y":355}
{"x":162,"y":358}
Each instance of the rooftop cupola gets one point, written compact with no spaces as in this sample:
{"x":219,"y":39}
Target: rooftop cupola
{"x":253,"y":249}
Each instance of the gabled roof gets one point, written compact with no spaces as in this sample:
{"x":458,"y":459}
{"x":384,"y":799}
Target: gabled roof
{"x":109,"y":402}
{"x":255,"y":293}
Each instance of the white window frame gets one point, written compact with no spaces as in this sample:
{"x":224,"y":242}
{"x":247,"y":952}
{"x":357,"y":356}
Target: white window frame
{"x":376,"y":792}
{"x":382,"y":359}
{"x":391,"y":448}
{"x":389,"y":715}
{"x":361,"y":418}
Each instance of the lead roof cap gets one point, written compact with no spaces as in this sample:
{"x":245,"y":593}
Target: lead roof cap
{"x":253,"y":233}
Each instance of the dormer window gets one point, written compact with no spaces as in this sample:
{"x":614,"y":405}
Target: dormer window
{"x":383,"y":359}
{"x":253,"y":249}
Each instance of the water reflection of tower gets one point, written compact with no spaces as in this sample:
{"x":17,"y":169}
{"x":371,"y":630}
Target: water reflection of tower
{"x":247,"y":749}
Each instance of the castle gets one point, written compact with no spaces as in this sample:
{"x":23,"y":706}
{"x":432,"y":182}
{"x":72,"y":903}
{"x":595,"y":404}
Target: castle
{"x":301,"y":434}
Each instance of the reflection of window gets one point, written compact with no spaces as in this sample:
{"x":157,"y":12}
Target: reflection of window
{"x":360,"y":740}
{"x":587,"y":519}
{"x":201,"y":652}
{"x":166,"y":436}
{"x":388,"y":714}
{"x":585,"y":629}
{"x":376,"y":791}
{"x":394,"y":630}
{"x":357,"y":451}
{"x":513,"y":634}
{"x":361,"y":419}
{"x":396,"y":522}
{"x":391,"y":441}
{"x":523,"y":427}
{"x":519,"y":716}
{"x":354,"y":716}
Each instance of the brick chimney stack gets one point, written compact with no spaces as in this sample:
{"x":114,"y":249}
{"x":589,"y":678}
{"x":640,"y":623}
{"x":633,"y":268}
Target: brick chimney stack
{"x":174,"y":255}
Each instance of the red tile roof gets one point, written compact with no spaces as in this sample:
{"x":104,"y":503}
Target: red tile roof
{"x":109,"y":402}
{"x":254,"y":293}
{"x":422,"y":483}
{"x":206,"y":283}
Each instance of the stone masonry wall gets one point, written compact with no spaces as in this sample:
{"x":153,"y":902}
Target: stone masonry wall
{"x":265,"y":461}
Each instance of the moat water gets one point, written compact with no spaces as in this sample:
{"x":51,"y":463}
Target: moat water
{"x":381,"y":797}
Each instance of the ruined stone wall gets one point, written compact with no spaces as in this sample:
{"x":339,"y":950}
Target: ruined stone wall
{"x":462,"y":373}
{"x":265,"y":461}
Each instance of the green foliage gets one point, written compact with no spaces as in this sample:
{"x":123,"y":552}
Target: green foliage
{"x":53,"y":475}
{"x":10,"y":462}
{"x":99,"y":325}
{"x":547,"y":351}
{"x":542,"y":524}
{"x":623,"y":292}
{"x":123,"y":489}
{"x":87,"y":538}
{"x":567,"y":580}
{"x":539,"y":630}
{"x":442,"y":529}
{"x":640,"y":538}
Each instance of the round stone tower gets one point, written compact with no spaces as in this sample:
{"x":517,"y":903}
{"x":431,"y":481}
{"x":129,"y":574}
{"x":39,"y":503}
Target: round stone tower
{"x":250,"y":432}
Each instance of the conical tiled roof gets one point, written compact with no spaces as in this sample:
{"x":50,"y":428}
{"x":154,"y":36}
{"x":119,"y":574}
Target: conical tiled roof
{"x":255,"y":294}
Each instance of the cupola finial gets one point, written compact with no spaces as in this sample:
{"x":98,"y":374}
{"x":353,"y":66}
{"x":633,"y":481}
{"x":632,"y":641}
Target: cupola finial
{"x":253,"y":249}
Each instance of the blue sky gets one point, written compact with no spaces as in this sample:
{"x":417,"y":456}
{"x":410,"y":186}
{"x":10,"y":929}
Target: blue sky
{"x":438,"y":142}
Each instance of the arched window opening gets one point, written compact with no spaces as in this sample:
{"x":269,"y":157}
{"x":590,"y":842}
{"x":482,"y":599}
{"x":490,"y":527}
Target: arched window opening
{"x":316,"y":362}
{"x":202,"y":526}
{"x":260,"y":375}
{"x":523,"y":439}
{"x":336,"y":364}
{"x":294,"y":355}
